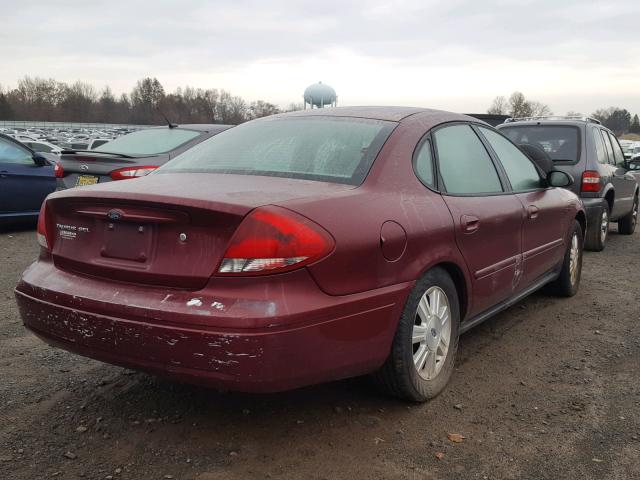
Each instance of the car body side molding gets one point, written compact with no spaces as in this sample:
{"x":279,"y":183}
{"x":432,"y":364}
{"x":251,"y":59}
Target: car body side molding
{"x":481,"y":317}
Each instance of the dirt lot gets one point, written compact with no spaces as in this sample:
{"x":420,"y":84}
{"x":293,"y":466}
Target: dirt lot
{"x":548,"y":389}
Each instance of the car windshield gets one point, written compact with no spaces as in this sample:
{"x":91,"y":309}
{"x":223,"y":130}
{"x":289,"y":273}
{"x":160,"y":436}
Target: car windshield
{"x":559,"y":141}
{"x":148,"y":142}
{"x":330,"y":149}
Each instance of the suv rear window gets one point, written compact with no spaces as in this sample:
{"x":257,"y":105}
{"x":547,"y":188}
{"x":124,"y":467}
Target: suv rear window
{"x":562,"y":143}
{"x":330,"y":149}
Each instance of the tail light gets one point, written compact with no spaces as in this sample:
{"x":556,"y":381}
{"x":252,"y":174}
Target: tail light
{"x":58,"y":170}
{"x":44,"y":233}
{"x":273,"y":240}
{"x":590,"y":181}
{"x":131,"y":172}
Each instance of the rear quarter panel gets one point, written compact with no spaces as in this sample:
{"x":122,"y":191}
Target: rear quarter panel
{"x":355,"y":218}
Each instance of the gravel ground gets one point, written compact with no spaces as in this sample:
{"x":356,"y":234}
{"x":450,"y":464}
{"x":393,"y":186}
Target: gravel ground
{"x":548,"y":389}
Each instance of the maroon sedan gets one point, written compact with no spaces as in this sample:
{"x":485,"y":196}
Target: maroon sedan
{"x":303,"y":248}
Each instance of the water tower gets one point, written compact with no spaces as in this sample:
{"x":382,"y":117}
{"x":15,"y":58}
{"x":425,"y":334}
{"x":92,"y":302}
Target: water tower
{"x":320,"y":95}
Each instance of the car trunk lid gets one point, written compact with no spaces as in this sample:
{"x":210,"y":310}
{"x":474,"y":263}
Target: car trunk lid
{"x":168,"y":229}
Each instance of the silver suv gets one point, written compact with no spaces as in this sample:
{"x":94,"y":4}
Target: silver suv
{"x":591,"y":153}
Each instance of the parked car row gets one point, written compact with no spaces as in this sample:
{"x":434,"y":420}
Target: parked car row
{"x":28,"y":174}
{"x":54,"y":140}
{"x":66,"y":133}
{"x":630,"y":148}
{"x":318,"y":245}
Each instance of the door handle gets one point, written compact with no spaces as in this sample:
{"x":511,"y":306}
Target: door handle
{"x":532,"y":212}
{"x":469,"y":223}
{"x":3,"y":173}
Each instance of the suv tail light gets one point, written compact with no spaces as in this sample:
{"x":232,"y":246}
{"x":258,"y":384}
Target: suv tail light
{"x":44,"y":233}
{"x":590,"y":181}
{"x":58,"y":171}
{"x":131,"y":172}
{"x":273,"y":240}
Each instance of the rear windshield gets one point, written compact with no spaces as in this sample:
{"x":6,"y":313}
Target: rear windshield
{"x":562,"y":143}
{"x":339,"y":150}
{"x":148,"y":142}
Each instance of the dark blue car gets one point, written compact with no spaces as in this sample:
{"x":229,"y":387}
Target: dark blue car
{"x":26,"y":178}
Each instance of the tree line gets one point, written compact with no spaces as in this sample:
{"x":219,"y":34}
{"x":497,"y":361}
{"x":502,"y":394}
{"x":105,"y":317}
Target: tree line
{"x":618,"y":120}
{"x":39,"y":99}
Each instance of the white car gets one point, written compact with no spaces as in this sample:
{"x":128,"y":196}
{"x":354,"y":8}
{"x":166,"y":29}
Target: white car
{"x":96,"y":142}
{"x":21,"y":137}
{"x":43,"y":147}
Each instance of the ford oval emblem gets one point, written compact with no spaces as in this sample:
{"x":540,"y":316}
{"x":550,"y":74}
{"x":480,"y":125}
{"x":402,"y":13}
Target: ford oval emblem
{"x":114,"y":214}
{"x":84,"y":167}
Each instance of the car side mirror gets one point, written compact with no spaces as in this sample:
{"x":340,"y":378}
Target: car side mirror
{"x":556,"y":178}
{"x":40,"y":160}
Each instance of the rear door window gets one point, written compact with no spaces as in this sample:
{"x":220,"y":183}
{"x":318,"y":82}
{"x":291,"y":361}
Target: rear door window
{"x":601,"y":153}
{"x":617,"y":151}
{"x":465,"y":165}
{"x":521,"y":172}
{"x":423,"y":163}
{"x":608,"y":147}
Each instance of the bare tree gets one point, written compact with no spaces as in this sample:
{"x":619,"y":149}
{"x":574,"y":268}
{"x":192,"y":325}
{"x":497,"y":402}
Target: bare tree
{"x":518,"y":106}
{"x":294,"y":107}
{"x":47,"y":99}
{"x":262,"y":109}
{"x":498,"y":106}
{"x":539,"y":109}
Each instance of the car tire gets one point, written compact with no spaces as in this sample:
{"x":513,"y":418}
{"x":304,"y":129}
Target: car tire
{"x":597,"y":233}
{"x":627,"y":224}
{"x":400,"y":375}
{"x":568,"y":282}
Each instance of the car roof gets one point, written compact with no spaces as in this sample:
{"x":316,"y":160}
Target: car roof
{"x":545,"y":122}
{"x":391,"y":114}
{"x":552,"y":120}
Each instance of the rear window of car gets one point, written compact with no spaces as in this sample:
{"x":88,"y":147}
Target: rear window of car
{"x":149,"y":142}
{"x":330,"y":149}
{"x":561,"y":142}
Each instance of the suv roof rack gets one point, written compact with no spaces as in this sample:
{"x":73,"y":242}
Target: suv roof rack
{"x":554,"y":117}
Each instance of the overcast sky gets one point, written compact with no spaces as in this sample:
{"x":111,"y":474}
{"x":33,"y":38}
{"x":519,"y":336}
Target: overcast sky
{"x":454,"y":54}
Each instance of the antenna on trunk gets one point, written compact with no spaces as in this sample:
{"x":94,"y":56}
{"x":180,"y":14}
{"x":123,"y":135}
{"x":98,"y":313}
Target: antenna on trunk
{"x":171,"y":125}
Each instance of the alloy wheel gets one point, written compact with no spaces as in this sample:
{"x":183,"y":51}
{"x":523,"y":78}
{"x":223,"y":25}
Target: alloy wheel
{"x":574,"y":259}
{"x":604,"y":226}
{"x":431,"y":333}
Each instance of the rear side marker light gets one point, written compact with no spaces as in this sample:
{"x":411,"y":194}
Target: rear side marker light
{"x":273,"y":240}
{"x":590,"y":181}
{"x":131,"y":172}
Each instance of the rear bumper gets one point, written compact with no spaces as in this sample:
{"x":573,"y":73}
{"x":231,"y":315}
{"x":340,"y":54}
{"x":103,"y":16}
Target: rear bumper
{"x":282,"y":333}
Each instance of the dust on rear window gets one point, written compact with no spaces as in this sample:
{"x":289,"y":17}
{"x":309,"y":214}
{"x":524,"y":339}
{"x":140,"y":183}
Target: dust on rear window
{"x":319,"y":148}
{"x":560,"y":142}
